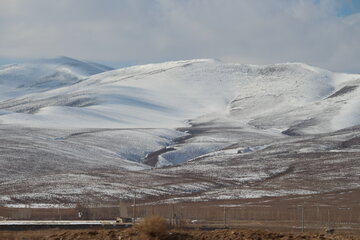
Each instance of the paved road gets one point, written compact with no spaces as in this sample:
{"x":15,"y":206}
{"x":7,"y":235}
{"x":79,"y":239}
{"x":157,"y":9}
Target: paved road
{"x":33,"y":225}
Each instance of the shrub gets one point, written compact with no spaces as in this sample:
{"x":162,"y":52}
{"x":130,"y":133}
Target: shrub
{"x":154,"y":227}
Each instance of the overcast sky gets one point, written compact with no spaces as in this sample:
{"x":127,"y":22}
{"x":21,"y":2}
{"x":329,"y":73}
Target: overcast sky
{"x":323,"y":33}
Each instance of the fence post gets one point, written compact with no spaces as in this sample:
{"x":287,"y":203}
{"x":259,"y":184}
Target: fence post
{"x":134,"y":207}
{"x":172,"y":215}
{"x":302,"y":219}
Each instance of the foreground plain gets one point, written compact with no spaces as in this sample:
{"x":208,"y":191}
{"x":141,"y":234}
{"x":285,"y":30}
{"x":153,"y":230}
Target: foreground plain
{"x":129,"y":234}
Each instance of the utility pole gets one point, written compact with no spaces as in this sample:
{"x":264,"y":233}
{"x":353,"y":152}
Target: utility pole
{"x":224,"y":217}
{"x":302,"y":219}
{"x":350,"y":216}
{"x":172,"y":215}
{"x":318,"y":214}
{"x":120,"y":209}
{"x":58,"y":208}
{"x":134,"y":207}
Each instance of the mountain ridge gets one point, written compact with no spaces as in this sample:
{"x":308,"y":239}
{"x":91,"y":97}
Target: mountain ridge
{"x":179,"y":91}
{"x":44,"y":74}
{"x":224,"y":131}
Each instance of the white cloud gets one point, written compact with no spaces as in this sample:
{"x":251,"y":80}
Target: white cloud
{"x":249,"y":31}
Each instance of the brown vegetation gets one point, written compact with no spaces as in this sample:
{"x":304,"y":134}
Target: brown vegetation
{"x":154,"y":227}
{"x":132,"y":234}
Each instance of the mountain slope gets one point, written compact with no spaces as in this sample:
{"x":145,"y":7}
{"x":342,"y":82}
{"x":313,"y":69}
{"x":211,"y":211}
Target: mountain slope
{"x":293,"y":97}
{"x":242,"y":131}
{"x":44,"y":74}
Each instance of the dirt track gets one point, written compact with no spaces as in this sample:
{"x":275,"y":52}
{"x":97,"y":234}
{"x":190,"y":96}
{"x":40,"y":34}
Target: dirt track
{"x":130,"y":234}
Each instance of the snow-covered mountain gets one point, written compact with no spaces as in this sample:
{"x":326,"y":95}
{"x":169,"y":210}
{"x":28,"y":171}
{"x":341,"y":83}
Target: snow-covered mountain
{"x":228,"y":130}
{"x":44,"y":74}
{"x":290,"y":97}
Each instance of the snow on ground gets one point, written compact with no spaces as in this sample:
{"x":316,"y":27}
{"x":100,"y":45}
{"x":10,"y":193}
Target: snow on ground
{"x":33,"y":152}
{"x":166,"y":95}
{"x":186,"y":152}
{"x":68,"y":135}
{"x":48,"y":73}
{"x":45,"y":74}
{"x":276,"y":169}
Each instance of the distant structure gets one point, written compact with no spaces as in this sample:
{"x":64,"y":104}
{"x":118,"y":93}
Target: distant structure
{"x":123,"y":211}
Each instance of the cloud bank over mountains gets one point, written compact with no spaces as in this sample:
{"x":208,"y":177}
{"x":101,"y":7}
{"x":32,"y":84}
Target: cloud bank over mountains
{"x":324,"y":33}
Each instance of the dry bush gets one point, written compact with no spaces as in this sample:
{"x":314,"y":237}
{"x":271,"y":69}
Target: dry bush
{"x":154,"y":227}
{"x":10,"y":235}
{"x":7,"y":235}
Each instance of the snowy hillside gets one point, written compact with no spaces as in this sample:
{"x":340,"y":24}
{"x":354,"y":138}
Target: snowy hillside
{"x":293,"y":97}
{"x":223,"y":130}
{"x":44,"y":74}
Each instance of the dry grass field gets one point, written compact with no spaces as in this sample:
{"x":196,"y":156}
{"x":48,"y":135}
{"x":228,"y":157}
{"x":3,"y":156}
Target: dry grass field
{"x":131,"y":234}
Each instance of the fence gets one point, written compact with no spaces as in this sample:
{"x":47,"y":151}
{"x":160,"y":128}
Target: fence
{"x":293,"y":217}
